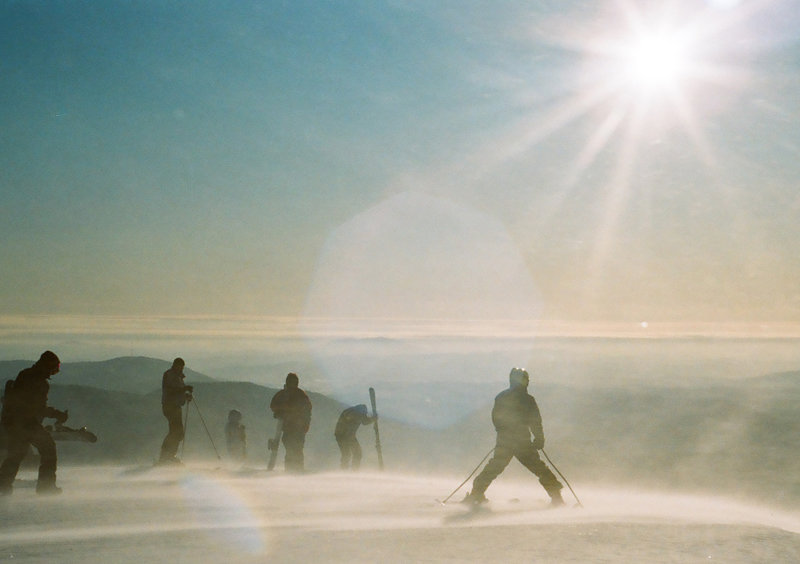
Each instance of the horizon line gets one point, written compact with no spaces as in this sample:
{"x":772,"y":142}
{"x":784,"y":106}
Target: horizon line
{"x":264,"y":326}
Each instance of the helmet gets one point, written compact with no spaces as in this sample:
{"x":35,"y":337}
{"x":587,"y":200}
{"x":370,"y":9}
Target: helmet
{"x":178,"y":362}
{"x":292,"y":380}
{"x":518,"y":377}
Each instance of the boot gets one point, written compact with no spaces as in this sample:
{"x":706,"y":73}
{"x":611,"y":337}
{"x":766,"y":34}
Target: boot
{"x":47,"y":489}
{"x":169,"y":461}
{"x":475,"y":498}
{"x":556,"y":500}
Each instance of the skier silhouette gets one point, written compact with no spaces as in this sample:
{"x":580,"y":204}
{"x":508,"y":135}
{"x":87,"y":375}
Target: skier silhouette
{"x":515,"y":416}
{"x":174,"y":394}
{"x":24,"y":408}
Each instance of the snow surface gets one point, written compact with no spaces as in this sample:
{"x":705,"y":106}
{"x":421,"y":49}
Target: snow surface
{"x":219,"y":513}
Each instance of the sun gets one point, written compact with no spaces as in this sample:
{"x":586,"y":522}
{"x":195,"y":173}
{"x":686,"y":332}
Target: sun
{"x":656,"y":62}
{"x":636,"y":76}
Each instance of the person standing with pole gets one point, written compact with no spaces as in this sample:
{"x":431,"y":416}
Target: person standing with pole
{"x":516,"y":416}
{"x":174,"y":394}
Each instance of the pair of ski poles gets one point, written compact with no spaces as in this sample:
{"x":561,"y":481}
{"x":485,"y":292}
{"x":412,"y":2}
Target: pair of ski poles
{"x":193,"y":400}
{"x":488,"y":454}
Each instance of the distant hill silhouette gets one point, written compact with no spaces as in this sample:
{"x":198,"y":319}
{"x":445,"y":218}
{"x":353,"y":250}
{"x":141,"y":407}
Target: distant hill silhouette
{"x":135,"y":374}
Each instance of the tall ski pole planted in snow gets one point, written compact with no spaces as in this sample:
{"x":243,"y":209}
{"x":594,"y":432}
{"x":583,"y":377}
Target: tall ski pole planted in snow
{"x":375,"y":425}
{"x":185,"y":428}
{"x":203,"y":421}
{"x":445,"y":500}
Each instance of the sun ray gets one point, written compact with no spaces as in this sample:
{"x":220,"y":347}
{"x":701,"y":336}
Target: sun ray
{"x":638,"y":80}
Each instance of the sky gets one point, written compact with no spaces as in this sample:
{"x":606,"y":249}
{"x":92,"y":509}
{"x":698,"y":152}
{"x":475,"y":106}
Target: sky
{"x":461,"y":161}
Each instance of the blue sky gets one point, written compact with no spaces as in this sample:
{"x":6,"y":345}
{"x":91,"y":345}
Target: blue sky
{"x":313,"y":159}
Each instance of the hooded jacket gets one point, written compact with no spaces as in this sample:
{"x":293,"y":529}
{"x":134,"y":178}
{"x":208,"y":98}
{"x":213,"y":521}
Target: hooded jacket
{"x":26,"y":405}
{"x":292,"y":406}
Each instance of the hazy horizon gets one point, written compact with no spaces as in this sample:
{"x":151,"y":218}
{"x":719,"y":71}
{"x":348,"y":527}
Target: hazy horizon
{"x":107,"y":336}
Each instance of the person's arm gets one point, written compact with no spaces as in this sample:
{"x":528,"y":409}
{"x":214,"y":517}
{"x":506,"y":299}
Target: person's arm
{"x":307,"y":414}
{"x":58,"y":415}
{"x":535,"y":425}
{"x":276,"y":405}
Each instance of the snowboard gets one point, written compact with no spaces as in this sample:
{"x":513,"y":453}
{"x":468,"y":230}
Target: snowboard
{"x":63,"y":433}
{"x":375,"y":426}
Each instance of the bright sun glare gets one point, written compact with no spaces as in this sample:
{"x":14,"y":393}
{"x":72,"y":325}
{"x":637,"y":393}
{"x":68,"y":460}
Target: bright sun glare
{"x":643,"y":74}
{"x":656,"y":61}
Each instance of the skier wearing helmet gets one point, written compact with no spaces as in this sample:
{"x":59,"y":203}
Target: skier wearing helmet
{"x":516,"y":416}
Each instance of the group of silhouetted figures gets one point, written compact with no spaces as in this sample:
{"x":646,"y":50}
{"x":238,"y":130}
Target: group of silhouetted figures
{"x":515,"y":416}
{"x":291,"y":406}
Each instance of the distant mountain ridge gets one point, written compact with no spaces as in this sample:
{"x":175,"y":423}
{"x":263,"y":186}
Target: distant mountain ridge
{"x":133,"y":374}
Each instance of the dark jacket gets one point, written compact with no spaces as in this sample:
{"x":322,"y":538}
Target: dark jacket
{"x":173,"y":390}
{"x":27,"y":404}
{"x":350,"y":420}
{"x":515,"y":415}
{"x":292,"y":406}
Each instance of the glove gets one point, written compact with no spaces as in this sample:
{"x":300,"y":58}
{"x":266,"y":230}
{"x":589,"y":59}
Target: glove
{"x":61,"y":416}
{"x":188,"y":397}
{"x":538,"y":443}
{"x":189,"y":389}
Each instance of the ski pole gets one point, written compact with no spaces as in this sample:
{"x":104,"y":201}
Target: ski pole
{"x":562,"y":477}
{"x":488,"y":454}
{"x":185,"y":427}
{"x":203,"y":421}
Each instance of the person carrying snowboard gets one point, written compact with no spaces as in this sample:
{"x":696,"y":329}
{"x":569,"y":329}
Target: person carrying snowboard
{"x":24,"y":408}
{"x":174,"y":394}
{"x":347,"y":425}
{"x":516,"y":416}
{"x":292,"y":406}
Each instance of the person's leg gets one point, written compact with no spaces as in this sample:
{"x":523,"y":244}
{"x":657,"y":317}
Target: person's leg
{"x":294,"y":441}
{"x":500,"y":459}
{"x":356,"y":450}
{"x":17,"y":449}
{"x":48,"y":460}
{"x":529,"y":457}
{"x":169,"y":448}
{"x":344,"y":452}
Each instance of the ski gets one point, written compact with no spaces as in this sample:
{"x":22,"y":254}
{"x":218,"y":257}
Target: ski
{"x":375,"y":425}
{"x":273,"y":444}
